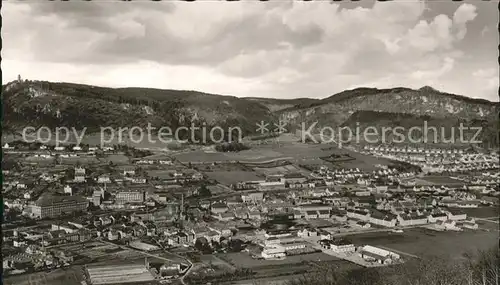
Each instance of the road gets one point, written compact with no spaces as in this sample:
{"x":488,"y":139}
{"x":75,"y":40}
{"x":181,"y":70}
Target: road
{"x":190,"y":264}
{"x":489,"y":219}
{"x":398,"y":251}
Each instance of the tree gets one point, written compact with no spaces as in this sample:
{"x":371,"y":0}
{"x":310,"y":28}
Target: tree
{"x":203,"y":191}
{"x":202,"y":245}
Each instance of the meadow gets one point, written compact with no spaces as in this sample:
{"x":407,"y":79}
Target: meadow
{"x":232,"y":177}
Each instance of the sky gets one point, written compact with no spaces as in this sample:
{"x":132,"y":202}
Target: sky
{"x":277,"y":49}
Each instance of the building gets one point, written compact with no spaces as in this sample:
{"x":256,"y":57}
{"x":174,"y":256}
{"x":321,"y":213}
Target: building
{"x":218,"y":208}
{"x":276,"y":251}
{"x":129,"y":172}
{"x":271,"y":185}
{"x":53,"y":206}
{"x":358,"y":215}
{"x":411,"y":219}
{"x":489,"y":200}
{"x":253,"y":197}
{"x":119,"y":274}
{"x":96,"y":199}
{"x":438,"y":217}
{"x":343,"y":246}
{"x":468,"y":224}
{"x":314,"y":207}
{"x":79,"y":171}
{"x":381,"y":219}
{"x":130,"y":197}
{"x":103,"y":179}
{"x":67,"y":228}
{"x":456,"y":215}
{"x":68,"y":190}
{"x":293,"y":245}
{"x":307,"y":233}
{"x":292,"y":178}
{"x":378,"y":255}
{"x":311,"y":215}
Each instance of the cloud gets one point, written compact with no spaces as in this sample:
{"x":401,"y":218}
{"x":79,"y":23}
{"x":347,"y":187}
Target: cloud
{"x":277,"y":48}
{"x":465,"y":13}
{"x":446,"y":67}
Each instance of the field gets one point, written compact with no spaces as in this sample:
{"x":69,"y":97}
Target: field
{"x":232,"y":177}
{"x":287,"y":169}
{"x":422,"y":242}
{"x":293,"y":152}
{"x":222,"y":167}
{"x":219,"y":189}
{"x":361,"y":161}
{"x":66,"y":276}
{"x":244,"y":260}
{"x":481,"y":212}
{"x":79,"y":160}
{"x":275,"y":270}
{"x":256,"y":154}
{"x":490,"y":224}
{"x":201,"y":156}
{"x":438,"y":180}
{"x":116,"y":159}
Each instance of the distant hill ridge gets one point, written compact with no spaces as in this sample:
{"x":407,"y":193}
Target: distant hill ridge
{"x":77,"y":105}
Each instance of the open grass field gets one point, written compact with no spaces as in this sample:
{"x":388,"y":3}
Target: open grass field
{"x":287,"y":169}
{"x":481,"y":212}
{"x":223,"y":167}
{"x":244,"y":260}
{"x":66,"y":276}
{"x":219,"y":189}
{"x":361,"y":161}
{"x":489,"y":224}
{"x":232,"y":177}
{"x":214,"y":260}
{"x":201,"y":156}
{"x":256,"y":154}
{"x":422,"y":242}
{"x":117,"y":159}
{"x":438,"y":180}
{"x":280,"y":280}
{"x":79,"y":160}
{"x":294,"y":152}
{"x":266,"y":271}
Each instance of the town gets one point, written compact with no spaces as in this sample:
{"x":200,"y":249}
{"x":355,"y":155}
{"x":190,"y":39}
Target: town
{"x":81,"y":214}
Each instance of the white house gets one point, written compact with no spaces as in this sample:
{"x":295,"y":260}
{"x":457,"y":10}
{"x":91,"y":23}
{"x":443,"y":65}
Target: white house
{"x":378,"y":255}
{"x":387,"y":220}
{"x":455,"y":215}
{"x":103,"y":179}
{"x":276,"y":251}
{"x":342,"y":246}
{"x":411,"y":220}
{"x":7,"y":146}
{"x":68,"y":190}
{"x":433,"y":218}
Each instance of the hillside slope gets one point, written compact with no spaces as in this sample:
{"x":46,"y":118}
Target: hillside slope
{"x":37,"y":103}
{"x":75,"y":105}
{"x":336,"y":109}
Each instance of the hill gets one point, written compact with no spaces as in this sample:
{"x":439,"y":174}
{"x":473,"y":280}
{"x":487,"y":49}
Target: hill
{"x":56,"y":104}
{"x":75,"y":105}
{"x":283,"y":104}
{"x":426,"y":101}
